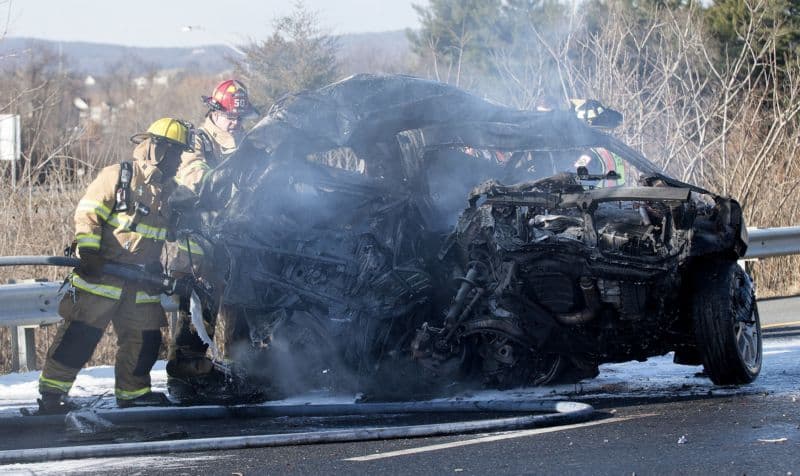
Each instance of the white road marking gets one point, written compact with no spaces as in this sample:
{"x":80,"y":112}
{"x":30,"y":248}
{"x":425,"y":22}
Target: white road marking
{"x":780,"y":324}
{"x":775,"y":352}
{"x":498,"y":437}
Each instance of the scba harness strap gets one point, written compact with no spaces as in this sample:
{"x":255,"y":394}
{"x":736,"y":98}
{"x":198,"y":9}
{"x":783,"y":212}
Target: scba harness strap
{"x":122,"y":203}
{"x":208,"y":149}
{"x":123,"y":193}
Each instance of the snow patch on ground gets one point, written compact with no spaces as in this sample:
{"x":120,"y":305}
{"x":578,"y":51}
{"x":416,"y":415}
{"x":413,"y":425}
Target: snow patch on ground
{"x":660,"y":377}
{"x":111,"y":465}
{"x":656,"y":377}
{"x":22,"y":389}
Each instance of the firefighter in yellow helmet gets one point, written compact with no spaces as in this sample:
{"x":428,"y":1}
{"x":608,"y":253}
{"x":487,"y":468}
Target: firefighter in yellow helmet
{"x":122,"y":218}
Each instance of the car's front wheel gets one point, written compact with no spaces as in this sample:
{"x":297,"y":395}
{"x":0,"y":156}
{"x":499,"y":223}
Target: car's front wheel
{"x":726,"y":323}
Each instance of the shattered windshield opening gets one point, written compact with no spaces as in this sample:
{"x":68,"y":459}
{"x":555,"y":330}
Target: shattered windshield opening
{"x":454,"y":171}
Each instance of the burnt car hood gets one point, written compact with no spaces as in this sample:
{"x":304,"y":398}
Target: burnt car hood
{"x":367,"y":112}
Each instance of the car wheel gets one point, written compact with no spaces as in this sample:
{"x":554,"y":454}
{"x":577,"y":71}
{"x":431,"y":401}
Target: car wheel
{"x":504,"y":363}
{"x":550,"y":369}
{"x":726,"y":323}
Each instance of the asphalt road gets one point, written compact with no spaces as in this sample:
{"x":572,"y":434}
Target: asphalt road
{"x":730,"y":435}
{"x":779,"y":312}
{"x":734,"y":434}
{"x":666,"y":420}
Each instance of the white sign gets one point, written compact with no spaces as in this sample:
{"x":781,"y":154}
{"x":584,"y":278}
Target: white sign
{"x":9,"y":137}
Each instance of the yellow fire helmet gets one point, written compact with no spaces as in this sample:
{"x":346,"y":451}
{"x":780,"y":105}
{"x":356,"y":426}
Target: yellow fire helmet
{"x":173,"y":130}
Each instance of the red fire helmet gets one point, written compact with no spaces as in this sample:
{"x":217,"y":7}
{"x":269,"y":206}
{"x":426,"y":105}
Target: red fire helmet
{"x":230,"y":97}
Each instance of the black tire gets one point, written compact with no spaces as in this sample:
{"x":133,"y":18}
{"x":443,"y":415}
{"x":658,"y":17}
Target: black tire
{"x":726,"y":323}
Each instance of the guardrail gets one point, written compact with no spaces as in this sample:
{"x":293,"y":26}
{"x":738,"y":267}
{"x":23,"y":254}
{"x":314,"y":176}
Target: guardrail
{"x":36,"y":304}
{"x":25,"y":306}
{"x":768,"y":242}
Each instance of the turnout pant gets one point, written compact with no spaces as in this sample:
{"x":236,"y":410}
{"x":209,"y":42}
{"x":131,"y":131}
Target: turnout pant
{"x":86,"y":316}
{"x":187,"y":352}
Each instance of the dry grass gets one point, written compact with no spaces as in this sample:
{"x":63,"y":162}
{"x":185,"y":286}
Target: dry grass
{"x":35,"y":221}
{"x":38,"y":220}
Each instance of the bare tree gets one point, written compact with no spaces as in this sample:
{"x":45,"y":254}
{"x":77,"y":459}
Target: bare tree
{"x":730,"y":124}
{"x":299,"y":55}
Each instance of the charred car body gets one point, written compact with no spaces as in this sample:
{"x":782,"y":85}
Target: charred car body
{"x":392,"y":229}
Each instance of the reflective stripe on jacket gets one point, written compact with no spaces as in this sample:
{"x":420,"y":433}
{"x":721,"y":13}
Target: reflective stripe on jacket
{"x":134,"y":236}
{"x":195,"y":166}
{"x":104,"y":290}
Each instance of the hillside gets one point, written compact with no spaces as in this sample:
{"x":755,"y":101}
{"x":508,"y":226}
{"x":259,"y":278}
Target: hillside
{"x":98,"y":59}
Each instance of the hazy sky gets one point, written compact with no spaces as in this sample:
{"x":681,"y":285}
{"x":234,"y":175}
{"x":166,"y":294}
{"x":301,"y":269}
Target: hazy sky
{"x":163,"y":22}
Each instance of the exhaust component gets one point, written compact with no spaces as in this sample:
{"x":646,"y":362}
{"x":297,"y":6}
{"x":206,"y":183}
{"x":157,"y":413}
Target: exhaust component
{"x":467,"y":284}
{"x":592,"y":300}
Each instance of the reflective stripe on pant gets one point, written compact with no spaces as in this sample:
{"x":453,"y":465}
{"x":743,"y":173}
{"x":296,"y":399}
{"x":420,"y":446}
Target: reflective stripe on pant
{"x":85,"y":319}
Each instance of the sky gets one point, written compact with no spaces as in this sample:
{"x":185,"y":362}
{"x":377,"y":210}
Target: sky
{"x":186,"y":23}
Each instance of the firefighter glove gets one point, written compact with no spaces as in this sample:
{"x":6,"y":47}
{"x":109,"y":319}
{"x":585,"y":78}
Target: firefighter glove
{"x":91,"y":263}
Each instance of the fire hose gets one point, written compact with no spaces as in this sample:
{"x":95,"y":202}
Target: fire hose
{"x":166,"y":284}
{"x":555,"y":413}
{"x":186,"y":286}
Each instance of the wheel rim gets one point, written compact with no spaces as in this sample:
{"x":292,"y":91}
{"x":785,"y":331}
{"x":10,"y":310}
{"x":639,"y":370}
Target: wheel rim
{"x":748,"y":342}
{"x":551,"y":371}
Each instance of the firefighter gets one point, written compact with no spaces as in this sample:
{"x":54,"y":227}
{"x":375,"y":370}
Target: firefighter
{"x":597,"y":160}
{"x":595,"y":114}
{"x":122,"y":218}
{"x":220,"y":134}
{"x":188,"y":366}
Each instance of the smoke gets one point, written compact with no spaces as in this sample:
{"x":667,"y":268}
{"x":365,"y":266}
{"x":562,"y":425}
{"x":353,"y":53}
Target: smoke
{"x":346,"y":195}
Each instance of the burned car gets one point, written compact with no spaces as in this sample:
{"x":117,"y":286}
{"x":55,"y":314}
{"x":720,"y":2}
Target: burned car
{"x":393,"y":234}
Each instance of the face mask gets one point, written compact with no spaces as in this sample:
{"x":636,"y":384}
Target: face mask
{"x":158,"y":151}
{"x":166,"y":156}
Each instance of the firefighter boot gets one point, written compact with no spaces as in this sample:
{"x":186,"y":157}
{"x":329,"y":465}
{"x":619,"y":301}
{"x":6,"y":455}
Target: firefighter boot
{"x":183,"y":374}
{"x":149,"y":399}
{"x":55,"y":403}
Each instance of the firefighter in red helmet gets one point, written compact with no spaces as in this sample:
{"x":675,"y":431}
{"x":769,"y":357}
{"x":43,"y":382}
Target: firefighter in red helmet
{"x":219,"y":135}
{"x":188,"y":366}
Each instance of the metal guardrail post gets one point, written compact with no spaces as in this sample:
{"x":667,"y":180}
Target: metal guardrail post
{"x":23,"y":349}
